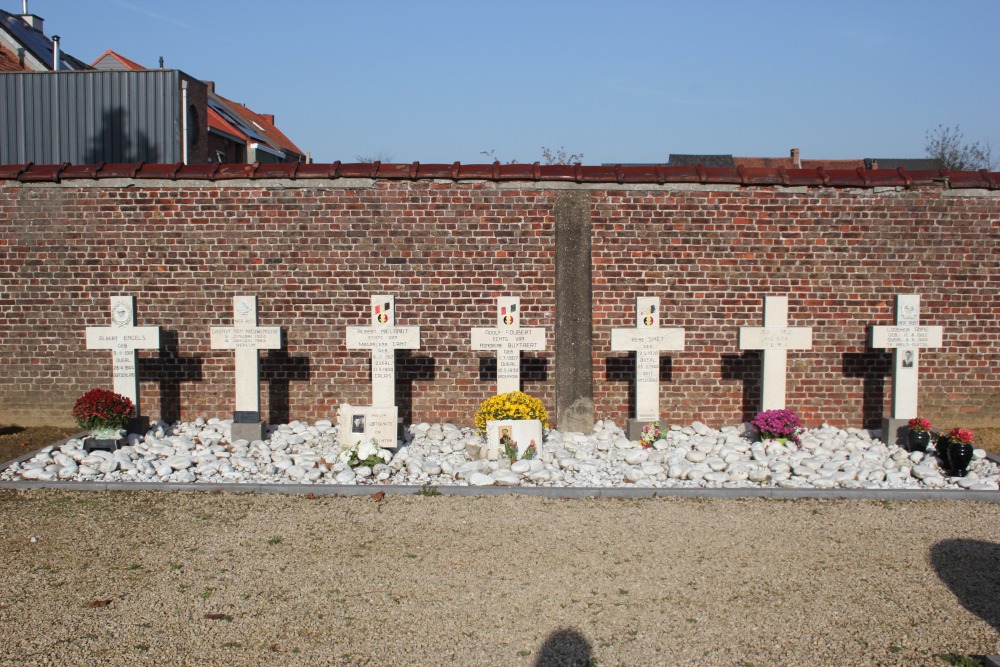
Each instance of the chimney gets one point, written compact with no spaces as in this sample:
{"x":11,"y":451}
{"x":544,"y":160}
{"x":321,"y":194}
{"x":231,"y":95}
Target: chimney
{"x":796,"y":164}
{"x":210,"y":85}
{"x":269,"y":117}
{"x":55,"y":53}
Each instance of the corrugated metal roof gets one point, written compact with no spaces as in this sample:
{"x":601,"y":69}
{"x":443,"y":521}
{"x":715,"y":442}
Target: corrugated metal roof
{"x":845,"y":178}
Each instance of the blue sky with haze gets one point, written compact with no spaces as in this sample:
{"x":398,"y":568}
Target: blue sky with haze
{"x":626,"y":81}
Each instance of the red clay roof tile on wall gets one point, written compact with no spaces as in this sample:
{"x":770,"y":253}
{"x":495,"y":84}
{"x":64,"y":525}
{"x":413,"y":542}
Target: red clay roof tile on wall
{"x":617,"y":174}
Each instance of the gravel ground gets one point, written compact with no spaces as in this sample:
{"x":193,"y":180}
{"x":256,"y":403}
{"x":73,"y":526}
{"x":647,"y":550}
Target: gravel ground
{"x":154,"y":578}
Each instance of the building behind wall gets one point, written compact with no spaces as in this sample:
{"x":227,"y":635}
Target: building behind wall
{"x":58,"y":109}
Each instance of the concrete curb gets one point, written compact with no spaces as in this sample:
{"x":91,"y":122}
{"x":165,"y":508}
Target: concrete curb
{"x":991,"y":661}
{"x":25,"y":457}
{"x":544,"y":492}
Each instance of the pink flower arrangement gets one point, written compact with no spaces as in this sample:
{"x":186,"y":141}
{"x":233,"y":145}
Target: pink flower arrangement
{"x":650,"y":434}
{"x":777,"y":425}
{"x":962,"y":435}
{"x":920,"y":425}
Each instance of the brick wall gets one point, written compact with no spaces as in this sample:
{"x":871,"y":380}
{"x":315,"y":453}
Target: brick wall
{"x":199,"y":150}
{"x":313,"y":252}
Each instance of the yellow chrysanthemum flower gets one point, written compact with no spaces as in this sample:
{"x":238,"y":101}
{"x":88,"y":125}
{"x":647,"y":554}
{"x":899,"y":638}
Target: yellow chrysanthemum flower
{"x":512,"y":405}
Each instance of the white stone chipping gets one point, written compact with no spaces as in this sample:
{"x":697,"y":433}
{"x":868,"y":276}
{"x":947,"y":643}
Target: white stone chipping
{"x":693,"y":456}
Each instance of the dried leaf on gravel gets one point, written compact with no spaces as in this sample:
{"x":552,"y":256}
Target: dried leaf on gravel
{"x":377,"y":497}
{"x":96,"y":604}
{"x":218,"y":617}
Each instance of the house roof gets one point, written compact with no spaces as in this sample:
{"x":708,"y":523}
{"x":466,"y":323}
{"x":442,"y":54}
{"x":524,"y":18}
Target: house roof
{"x":218,"y":123}
{"x":36,"y":43}
{"x":682,"y":160}
{"x":908,"y":163}
{"x":9,"y":61}
{"x":764,"y":162}
{"x":109,"y":60}
{"x":254,"y":127}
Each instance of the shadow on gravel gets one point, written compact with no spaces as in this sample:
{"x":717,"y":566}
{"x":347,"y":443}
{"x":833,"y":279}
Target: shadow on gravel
{"x":565,"y":648}
{"x":969,"y":568}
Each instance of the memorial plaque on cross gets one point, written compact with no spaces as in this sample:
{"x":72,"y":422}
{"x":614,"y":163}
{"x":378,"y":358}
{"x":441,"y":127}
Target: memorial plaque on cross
{"x":775,"y":338}
{"x":508,"y":340}
{"x":383,"y":338}
{"x":246,"y":339}
{"x":906,"y":338}
{"x":647,"y":340}
{"x":124,"y":339}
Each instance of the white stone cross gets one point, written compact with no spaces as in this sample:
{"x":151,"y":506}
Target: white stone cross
{"x":508,"y":339}
{"x":647,"y":340}
{"x":246,"y":338}
{"x":775,"y":338}
{"x":906,"y":339}
{"x":123,"y":338}
{"x":383,"y":338}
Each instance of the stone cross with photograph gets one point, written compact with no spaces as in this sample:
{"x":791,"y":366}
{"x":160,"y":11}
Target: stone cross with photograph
{"x":906,"y":338}
{"x":508,"y":339}
{"x":124,"y":339}
{"x":379,"y":421}
{"x":246,"y":338}
{"x":775,"y":338}
{"x":648,"y":341}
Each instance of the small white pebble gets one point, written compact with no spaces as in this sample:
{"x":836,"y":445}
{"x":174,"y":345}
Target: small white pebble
{"x":34,"y":539}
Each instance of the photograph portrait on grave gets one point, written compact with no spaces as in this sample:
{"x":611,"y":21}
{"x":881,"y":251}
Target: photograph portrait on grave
{"x":908,"y":359}
{"x":358,"y":424}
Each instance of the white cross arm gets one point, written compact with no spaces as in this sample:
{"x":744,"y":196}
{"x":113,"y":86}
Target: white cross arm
{"x":893,"y":337}
{"x":485,"y":338}
{"x":130,"y":338}
{"x":366,"y":338}
{"x":252,"y":338}
{"x":775,"y":338}
{"x":656,"y":340}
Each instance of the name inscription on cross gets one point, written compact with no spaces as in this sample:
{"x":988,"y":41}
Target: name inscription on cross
{"x":246,"y":339}
{"x":508,"y":340}
{"x":124,"y":339}
{"x":775,"y":338}
{"x":647,"y":340}
{"x":383,"y":338}
{"x":906,"y":338}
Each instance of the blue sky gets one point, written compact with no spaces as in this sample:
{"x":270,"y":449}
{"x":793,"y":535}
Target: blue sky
{"x":624,"y":81}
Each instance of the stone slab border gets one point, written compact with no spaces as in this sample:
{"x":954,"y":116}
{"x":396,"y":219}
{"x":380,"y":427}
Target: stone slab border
{"x":564,"y":492}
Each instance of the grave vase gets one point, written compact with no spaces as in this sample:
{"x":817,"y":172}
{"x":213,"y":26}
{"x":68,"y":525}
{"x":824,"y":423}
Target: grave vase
{"x":959,"y":457}
{"x":917,"y":441}
{"x":941,"y":447}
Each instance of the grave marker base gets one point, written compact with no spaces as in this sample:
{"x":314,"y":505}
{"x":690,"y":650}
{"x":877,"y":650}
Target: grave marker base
{"x":249,"y":432}
{"x":894,"y":431}
{"x":635,"y":426}
{"x":111,"y":444}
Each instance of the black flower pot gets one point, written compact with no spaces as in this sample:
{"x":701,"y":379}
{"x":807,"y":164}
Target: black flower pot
{"x":917,"y":441}
{"x":959,"y":456}
{"x":941,"y":447}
